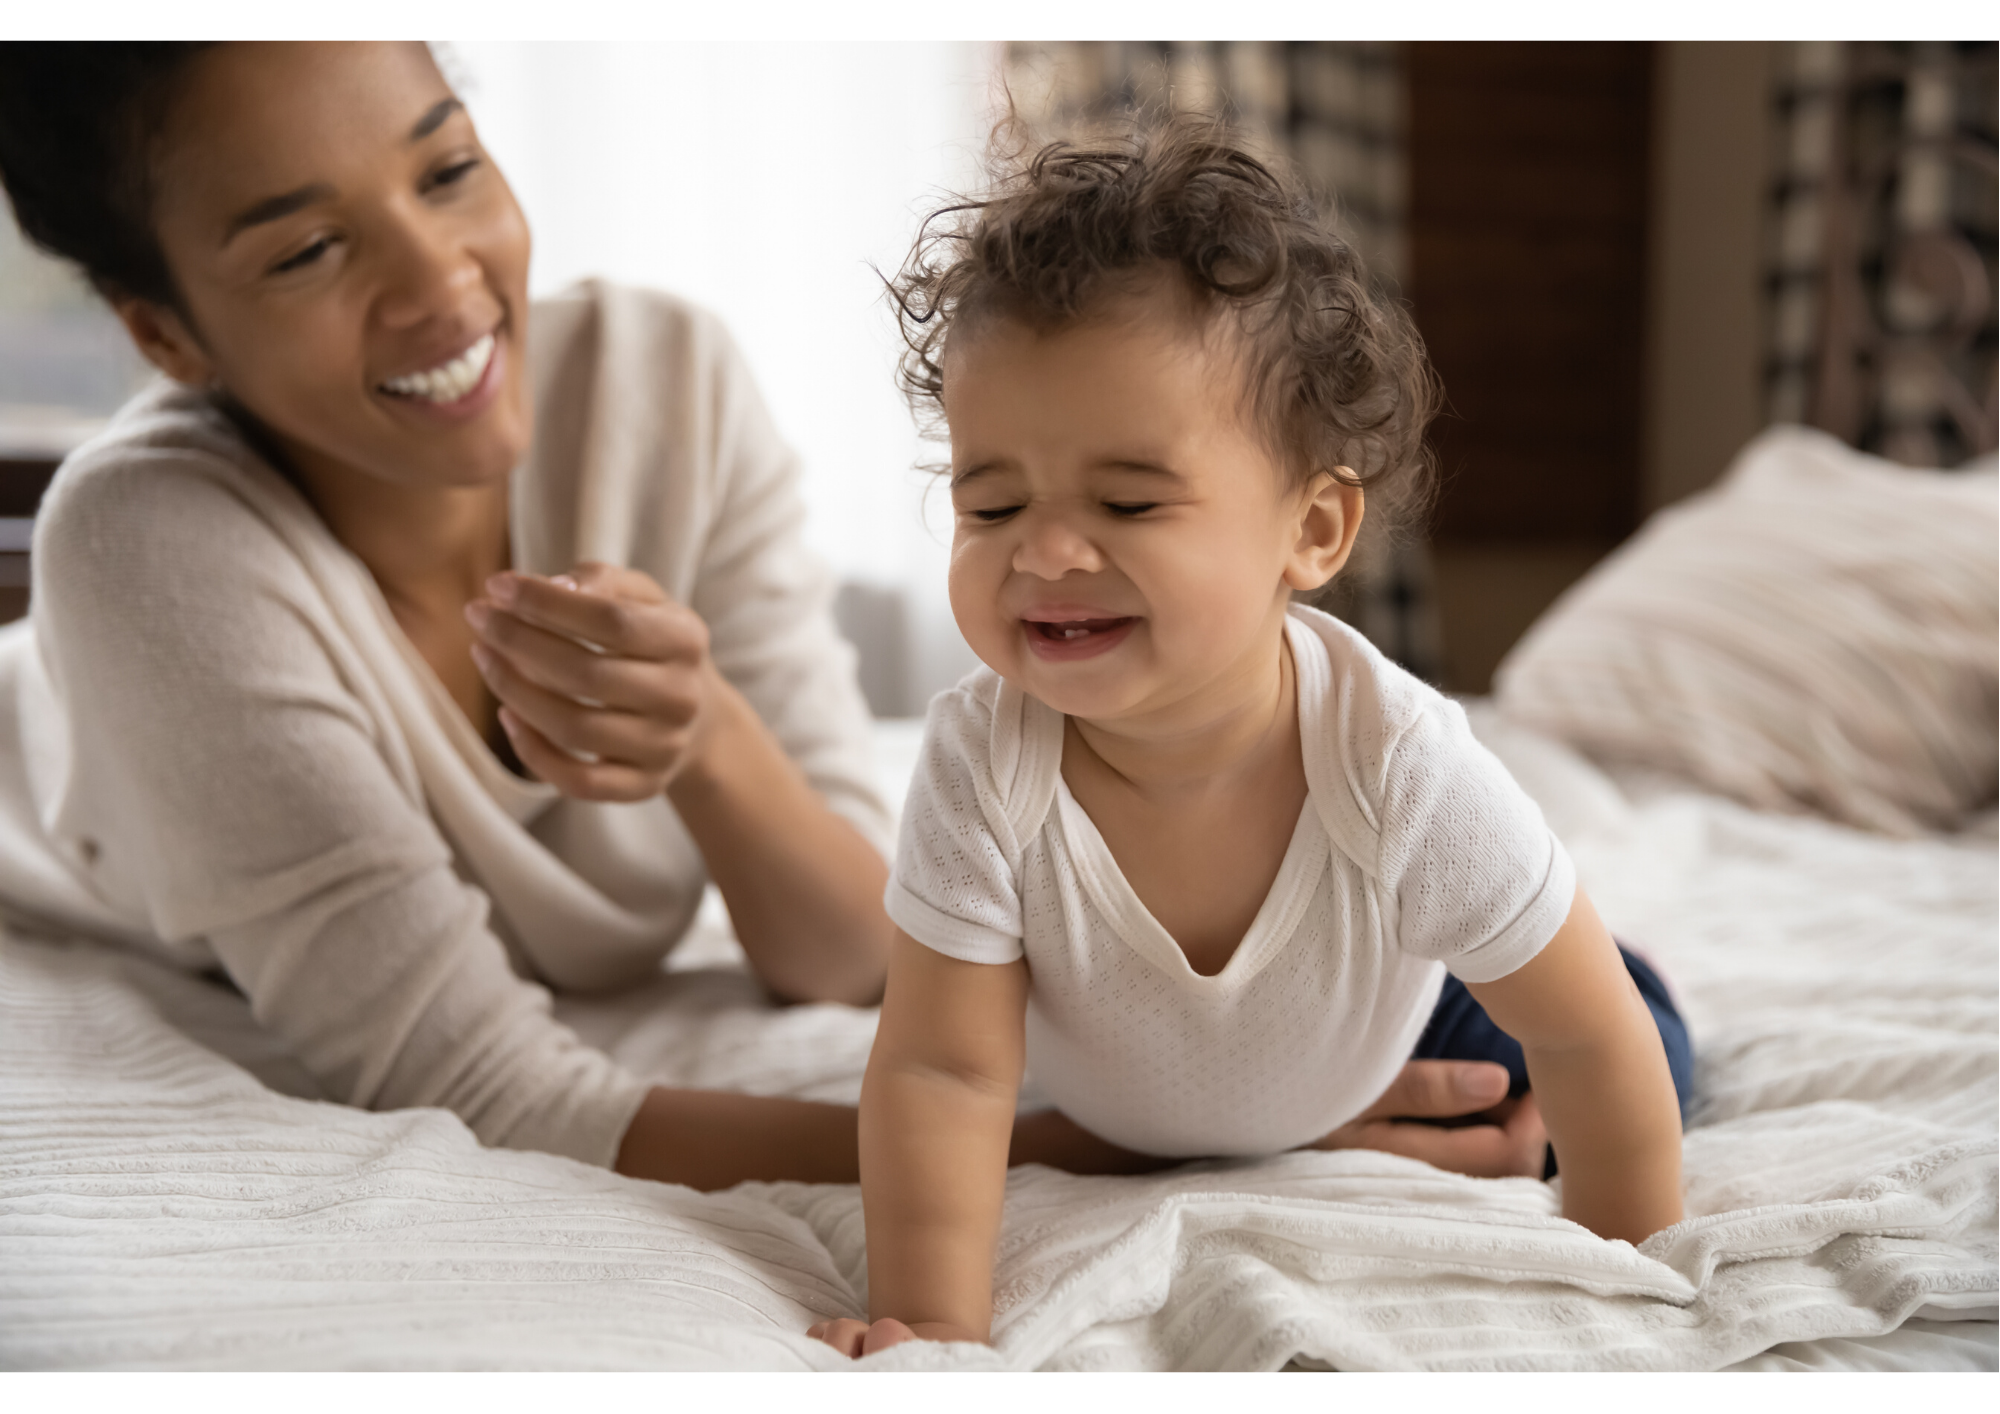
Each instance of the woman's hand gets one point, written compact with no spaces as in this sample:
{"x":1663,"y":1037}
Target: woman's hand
{"x":605,"y":685}
{"x":1496,"y":1137}
{"x":607,"y":692}
{"x":1506,"y":1138}
{"x":858,"y":1338}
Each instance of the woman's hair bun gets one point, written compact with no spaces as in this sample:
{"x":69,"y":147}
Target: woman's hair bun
{"x":77,"y":126}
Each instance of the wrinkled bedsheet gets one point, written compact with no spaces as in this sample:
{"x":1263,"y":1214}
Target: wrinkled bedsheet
{"x":173,"y":1195}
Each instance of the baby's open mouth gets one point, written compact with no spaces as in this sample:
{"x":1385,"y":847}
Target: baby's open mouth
{"x":449,"y":381}
{"x":1075,"y":630}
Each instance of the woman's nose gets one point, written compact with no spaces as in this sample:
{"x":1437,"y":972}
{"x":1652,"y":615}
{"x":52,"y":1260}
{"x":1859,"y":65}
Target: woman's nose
{"x":1051,"y":547}
{"x":426,"y":273}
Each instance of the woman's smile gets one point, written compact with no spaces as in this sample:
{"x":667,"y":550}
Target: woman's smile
{"x":457,"y":389}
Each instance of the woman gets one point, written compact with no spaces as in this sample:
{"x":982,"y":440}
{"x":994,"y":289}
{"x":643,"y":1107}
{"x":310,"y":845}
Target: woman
{"x":406,"y":647}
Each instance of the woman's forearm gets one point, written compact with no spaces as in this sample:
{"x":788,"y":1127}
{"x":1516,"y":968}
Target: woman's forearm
{"x":804,"y":888}
{"x":710,"y":1139}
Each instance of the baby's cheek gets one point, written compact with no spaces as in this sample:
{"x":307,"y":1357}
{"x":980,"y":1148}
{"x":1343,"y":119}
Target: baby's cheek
{"x":974,"y":587}
{"x":1212,"y":598}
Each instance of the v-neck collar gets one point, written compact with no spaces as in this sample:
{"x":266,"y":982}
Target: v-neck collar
{"x":1291,"y":892}
{"x":521,"y":798}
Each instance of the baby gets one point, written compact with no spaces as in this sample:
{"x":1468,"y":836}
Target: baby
{"x":1199,"y":855}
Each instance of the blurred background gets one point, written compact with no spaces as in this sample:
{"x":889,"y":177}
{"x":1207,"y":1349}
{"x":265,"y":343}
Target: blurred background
{"x":1626,"y":259}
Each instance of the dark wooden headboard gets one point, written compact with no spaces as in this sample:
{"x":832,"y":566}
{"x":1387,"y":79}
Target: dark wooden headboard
{"x":23,"y":479}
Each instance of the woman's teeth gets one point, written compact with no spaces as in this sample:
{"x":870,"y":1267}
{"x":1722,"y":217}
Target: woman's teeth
{"x":448,"y":382}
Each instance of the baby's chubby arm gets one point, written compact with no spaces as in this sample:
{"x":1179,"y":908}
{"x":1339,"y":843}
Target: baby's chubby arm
{"x":937,"y":1114}
{"x":1599,"y":1073}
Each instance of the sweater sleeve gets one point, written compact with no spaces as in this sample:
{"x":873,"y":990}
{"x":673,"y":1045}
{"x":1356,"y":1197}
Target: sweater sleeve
{"x":767,"y":600}
{"x":225,"y":778}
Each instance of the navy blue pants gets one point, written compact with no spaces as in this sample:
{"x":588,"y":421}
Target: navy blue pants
{"x":1460,"y":1029}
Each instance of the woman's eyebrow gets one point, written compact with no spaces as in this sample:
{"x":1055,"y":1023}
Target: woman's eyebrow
{"x":275,"y":208}
{"x":434,"y":119}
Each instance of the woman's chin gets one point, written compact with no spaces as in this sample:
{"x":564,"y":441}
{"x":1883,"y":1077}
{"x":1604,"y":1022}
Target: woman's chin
{"x":470,"y":454}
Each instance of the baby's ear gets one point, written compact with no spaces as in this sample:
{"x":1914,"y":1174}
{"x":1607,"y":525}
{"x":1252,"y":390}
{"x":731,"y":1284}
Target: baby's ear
{"x":1330,"y":511}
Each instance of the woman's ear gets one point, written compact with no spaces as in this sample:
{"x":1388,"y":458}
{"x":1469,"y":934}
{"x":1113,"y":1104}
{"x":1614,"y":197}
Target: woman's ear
{"x":1329,"y":517}
{"x":165,"y":341}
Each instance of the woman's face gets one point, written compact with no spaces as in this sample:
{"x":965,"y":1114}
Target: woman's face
{"x":352,"y":265}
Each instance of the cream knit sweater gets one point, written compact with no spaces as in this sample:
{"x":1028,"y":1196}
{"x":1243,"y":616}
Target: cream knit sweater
{"x":215,"y":741}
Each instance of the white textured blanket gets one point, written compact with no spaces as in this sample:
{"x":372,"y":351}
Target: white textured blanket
{"x":168,"y":1199}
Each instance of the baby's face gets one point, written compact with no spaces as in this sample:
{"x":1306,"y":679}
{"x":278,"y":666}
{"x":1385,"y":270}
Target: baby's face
{"x":1124,"y":544}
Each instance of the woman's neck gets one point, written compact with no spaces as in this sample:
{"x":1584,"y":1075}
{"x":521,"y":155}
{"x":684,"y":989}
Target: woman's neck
{"x":431,"y":549}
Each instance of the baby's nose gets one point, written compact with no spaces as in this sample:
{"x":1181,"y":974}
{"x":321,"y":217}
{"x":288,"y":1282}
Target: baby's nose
{"x":1051,"y":547}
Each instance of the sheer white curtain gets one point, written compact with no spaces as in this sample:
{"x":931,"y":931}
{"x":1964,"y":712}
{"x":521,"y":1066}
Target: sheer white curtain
{"x":763,"y":180}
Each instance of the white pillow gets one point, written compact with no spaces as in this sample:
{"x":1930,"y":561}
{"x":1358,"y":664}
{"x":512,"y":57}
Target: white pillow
{"x":1820,"y":632}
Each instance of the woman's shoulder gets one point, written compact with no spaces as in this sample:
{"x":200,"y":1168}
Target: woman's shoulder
{"x":652,"y":445}
{"x":170,"y":486}
{"x":599,"y":323}
{"x":169,"y":443}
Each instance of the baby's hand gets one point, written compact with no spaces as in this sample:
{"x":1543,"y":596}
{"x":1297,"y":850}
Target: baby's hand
{"x":857,"y":1338}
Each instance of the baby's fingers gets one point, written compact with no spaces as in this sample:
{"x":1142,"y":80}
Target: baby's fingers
{"x":884,"y":1333}
{"x":844,"y":1334}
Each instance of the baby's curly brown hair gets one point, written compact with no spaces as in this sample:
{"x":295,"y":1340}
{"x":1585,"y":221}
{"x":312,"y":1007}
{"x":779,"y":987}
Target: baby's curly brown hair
{"x":1335,"y":372}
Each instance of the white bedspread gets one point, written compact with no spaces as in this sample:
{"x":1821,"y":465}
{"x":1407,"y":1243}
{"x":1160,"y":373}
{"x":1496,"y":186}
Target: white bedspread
{"x":167,"y":1199}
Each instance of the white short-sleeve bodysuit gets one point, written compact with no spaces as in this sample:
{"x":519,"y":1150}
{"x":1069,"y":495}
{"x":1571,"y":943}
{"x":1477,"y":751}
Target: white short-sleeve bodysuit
{"x":1416,"y":853}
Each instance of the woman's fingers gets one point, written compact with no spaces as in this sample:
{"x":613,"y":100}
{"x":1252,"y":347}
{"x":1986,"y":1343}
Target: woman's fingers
{"x":1480,"y":1150}
{"x":1514,"y":1146}
{"x":605,"y":684}
{"x":1527,"y":1136}
{"x":652,"y":742}
{"x":562,"y":665}
{"x":621,"y":611}
{"x":1440,"y":1089}
{"x":585,"y":780}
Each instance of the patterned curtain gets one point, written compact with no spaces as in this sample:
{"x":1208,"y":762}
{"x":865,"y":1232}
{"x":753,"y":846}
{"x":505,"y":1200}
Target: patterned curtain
{"x":1881,"y":285}
{"x":1337,"y":112}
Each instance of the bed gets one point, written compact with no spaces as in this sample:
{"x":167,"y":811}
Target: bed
{"x":174,"y":1195}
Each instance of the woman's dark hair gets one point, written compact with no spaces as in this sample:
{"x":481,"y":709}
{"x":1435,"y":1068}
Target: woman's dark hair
{"x":1335,"y":372}
{"x":77,"y":128}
